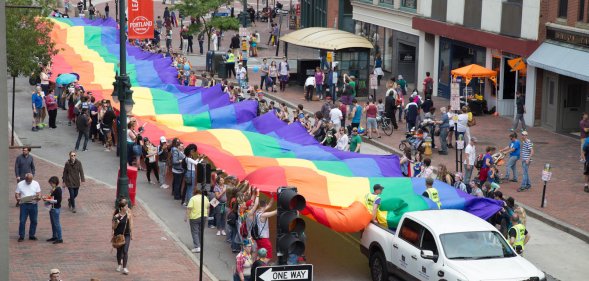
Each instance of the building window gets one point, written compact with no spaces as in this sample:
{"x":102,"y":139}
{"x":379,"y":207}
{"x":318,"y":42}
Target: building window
{"x":387,"y":2}
{"x":581,"y":10}
{"x":409,"y":4}
{"x":563,"y":6}
{"x":511,"y":18}
{"x":439,"y":9}
{"x":472,"y":14}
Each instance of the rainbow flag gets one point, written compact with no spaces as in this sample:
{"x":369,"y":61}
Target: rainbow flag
{"x":262,"y":149}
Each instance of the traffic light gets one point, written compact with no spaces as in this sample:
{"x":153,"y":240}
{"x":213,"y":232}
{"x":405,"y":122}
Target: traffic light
{"x":290,"y":225}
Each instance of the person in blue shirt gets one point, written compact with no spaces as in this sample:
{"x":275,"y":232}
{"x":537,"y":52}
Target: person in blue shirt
{"x":37,"y":105}
{"x":356,"y":113}
{"x":514,"y":150}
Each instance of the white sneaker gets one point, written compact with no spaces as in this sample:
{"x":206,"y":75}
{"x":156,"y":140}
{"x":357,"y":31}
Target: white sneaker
{"x":125,"y":271}
{"x":196,"y":250}
{"x":223,"y":233}
{"x":119,"y":268}
{"x":218,"y":233}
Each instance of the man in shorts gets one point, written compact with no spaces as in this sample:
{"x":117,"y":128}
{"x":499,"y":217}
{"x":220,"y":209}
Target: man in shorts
{"x":371,"y":126}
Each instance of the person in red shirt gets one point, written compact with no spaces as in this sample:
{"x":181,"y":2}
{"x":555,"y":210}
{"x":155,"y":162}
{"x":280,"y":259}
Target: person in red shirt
{"x":192,"y":79}
{"x":371,"y":124}
{"x":428,"y":85}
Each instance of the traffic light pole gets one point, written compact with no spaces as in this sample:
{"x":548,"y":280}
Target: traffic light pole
{"x":123,"y":84}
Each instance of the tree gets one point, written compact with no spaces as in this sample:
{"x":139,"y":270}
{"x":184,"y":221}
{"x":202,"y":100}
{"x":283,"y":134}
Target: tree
{"x":200,"y":10}
{"x":28,"y":36}
{"x":28,"y":40}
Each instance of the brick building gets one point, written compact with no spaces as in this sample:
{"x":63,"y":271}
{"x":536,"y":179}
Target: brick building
{"x":561,"y":65}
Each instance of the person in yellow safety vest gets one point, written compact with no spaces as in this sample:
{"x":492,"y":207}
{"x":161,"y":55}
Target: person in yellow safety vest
{"x":518,"y":235}
{"x":230,"y":61}
{"x":431,"y":193}
{"x":372,"y":202}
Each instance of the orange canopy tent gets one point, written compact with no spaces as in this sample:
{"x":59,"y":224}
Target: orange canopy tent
{"x":475,"y":71}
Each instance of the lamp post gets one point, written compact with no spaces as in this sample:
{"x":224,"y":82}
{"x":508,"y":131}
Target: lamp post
{"x":124,"y":95}
{"x":546,"y":175}
{"x":117,"y":10}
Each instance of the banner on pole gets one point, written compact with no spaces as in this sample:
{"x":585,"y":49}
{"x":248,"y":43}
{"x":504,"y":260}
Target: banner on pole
{"x":140,"y":19}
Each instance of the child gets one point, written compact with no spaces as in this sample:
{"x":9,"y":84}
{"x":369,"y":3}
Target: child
{"x":380,"y":108}
{"x":417,"y":164}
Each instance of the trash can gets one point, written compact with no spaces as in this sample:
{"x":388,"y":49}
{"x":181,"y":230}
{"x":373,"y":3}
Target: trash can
{"x":132,"y":175}
{"x":220,"y":67}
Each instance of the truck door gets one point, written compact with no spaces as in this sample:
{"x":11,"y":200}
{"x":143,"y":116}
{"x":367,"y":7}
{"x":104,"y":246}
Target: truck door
{"x":428,"y":269}
{"x":406,"y":252}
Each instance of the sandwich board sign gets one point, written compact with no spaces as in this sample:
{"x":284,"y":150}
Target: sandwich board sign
{"x":302,"y":272}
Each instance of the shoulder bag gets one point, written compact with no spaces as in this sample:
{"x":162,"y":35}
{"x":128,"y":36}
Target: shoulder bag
{"x":118,"y":240}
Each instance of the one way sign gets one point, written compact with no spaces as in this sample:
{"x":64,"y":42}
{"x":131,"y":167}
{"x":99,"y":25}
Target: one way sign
{"x":303,"y":272}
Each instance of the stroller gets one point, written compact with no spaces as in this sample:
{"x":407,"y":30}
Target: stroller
{"x":413,"y":140}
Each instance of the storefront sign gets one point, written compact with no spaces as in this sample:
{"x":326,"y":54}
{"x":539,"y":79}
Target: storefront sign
{"x":455,"y":96}
{"x":141,"y":19}
{"x":568,"y":37}
{"x":407,"y":57}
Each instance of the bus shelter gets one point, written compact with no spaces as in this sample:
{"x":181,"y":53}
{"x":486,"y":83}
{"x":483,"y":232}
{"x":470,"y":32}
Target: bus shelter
{"x":351,"y":52}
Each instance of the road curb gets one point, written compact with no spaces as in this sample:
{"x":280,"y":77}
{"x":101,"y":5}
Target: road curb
{"x":533,"y":212}
{"x":556,"y":223}
{"x":152,"y":215}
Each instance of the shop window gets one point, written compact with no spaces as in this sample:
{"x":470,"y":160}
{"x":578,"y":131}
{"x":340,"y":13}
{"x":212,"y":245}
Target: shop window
{"x":386,"y":2}
{"x":409,"y":4}
{"x":563,"y":6}
{"x":445,"y":63}
{"x":574,"y":96}
{"x":551,"y":92}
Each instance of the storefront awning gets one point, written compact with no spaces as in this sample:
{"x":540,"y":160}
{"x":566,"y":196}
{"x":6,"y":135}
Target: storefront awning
{"x":326,"y":39}
{"x":562,"y":60}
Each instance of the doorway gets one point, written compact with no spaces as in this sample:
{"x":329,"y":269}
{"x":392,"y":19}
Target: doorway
{"x":573,"y":98}
{"x":550,"y":101}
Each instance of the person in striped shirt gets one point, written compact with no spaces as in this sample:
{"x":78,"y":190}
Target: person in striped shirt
{"x":527,"y":152}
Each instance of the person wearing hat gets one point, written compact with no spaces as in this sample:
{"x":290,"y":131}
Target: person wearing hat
{"x":527,"y":152}
{"x":54,"y":275}
{"x":261,"y":260}
{"x":372,"y":202}
{"x":458,"y":182}
{"x":162,"y":155}
{"x":470,"y":158}
{"x":431,"y":192}
{"x":244,"y":262}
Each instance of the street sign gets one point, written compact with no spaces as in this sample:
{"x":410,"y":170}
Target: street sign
{"x":302,"y":272}
{"x":455,"y":96}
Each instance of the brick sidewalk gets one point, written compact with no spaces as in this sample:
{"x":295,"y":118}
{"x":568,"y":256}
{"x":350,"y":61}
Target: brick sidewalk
{"x":86,"y":252}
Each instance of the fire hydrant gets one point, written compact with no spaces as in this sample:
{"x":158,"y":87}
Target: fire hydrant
{"x":428,"y":146}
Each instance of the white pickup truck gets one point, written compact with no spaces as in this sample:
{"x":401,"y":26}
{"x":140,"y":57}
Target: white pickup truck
{"x":447,"y":245}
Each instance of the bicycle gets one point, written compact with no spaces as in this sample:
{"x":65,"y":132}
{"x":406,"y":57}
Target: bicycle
{"x":385,"y":124}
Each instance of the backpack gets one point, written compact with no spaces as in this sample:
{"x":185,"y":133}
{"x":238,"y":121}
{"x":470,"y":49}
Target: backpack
{"x":232,"y":218}
{"x":255,"y":229}
{"x":429,"y":85}
{"x":479,"y":162}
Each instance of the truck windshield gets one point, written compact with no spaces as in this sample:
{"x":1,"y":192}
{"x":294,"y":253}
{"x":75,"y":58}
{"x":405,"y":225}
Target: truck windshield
{"x":475,"y":245}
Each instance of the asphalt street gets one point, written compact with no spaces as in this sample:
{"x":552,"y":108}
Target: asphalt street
{"x":335,"y":256}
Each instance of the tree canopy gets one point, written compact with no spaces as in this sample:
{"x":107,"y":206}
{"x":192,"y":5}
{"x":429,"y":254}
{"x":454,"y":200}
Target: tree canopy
{"x":28,"y":36}
{"x":202,"y":11}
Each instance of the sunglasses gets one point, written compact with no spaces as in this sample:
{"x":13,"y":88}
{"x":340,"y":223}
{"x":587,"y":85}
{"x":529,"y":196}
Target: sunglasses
{"x":72,"y":155}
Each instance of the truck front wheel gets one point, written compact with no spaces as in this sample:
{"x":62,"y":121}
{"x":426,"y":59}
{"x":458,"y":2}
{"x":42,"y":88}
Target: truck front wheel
{"x":378,"y":267}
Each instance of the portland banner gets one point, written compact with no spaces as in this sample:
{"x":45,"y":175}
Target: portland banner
{"x":140,"y":19}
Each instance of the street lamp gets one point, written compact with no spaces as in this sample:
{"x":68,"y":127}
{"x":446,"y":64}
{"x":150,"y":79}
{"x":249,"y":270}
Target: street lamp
{"x":124,"y":95}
